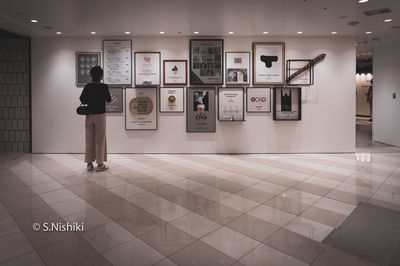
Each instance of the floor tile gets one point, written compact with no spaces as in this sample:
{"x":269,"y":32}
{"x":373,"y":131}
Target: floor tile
{"x":313,"y":188}
{"x":31,"y":259}
{"x":165,"y":262}
{"x":239,"y":203}
{"x":195,"y":225}
{"x":13,"y":245}
{"x":90,"y":218}
{"x":272,"y":215}
{"x":346,"y":197}
{"x":145,"y":200}
{"x":335,"y":206}
{"x":218,"y":213}
{"x":334,"y":257}
{"x":211,"y":193}
{"x":287,"y":204}
{"x":324,"y":216}
{"x":255,"y":194}
{"x":57,"y":196}
{"x":134,"y":252}
{"x":168,"y":192}
{"x":230,"y":242}
{"x":167,"y":211}
{"x":97,"y":260}
{"x":140,"y":222}
{"x":69,"y":207}
{"x":24,"y":204}
{"x":3,"y":210}
{"x":191,"y":201}
{"x":7,"y":226}
{"x":187,"y":184}
{"x":309,"y":228}
{"x":47,"y":187}
{"x":199,"y":253}
{"x":126,"y":190}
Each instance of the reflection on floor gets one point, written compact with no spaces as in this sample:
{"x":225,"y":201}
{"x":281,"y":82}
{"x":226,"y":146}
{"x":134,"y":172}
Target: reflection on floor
{"x":364,"y":141}
{"x":188,"y":209}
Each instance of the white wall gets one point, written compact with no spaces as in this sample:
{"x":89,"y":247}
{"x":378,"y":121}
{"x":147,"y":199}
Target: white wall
{"x":327,"y":117}
{"x":386,"y":110}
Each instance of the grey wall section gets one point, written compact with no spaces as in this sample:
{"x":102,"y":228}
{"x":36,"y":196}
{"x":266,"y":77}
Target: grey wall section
{"x":15,"y":114}
{"x":328,"y":109}
{"x":386,"y":109}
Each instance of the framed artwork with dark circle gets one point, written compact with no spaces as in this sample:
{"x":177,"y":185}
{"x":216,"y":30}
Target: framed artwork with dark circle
{"x":175,"y":72}
{"x":237,"y":69}
{"x":268,"y":63}
{"x":258,"y":100}
{"x":171,"y":100}
{"x":84,"y":62}
{"x":141,"y":108}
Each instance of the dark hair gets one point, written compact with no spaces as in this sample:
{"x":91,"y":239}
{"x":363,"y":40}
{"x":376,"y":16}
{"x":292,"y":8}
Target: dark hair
{"x":96,"y":73}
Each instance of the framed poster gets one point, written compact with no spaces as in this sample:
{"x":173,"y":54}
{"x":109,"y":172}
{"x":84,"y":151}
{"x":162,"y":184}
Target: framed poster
{"x":147,"y":68}
{"x":206,"y":61}
{"x":175,"y":72}
{"x":237,"y":68}
{"x":171,"y":100}
{"x":258,"y":100}
{"x":116,"y":104}
{"x":287,"y":103}
{"x":231,"y":104}
{"x":305,"y":78}
{"x":84,"y":62}
{"x":268,"y":63}
{"x":117,"y":58}
{"x":200,"y":116}
{"x":141,"y":108}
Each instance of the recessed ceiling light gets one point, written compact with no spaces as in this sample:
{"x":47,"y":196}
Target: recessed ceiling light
{"x":34,"y":20}
{"x":162,"y":32}
{"x":231,"y":32}
{"x":334,"y":32}
{"x":299,"y":32}
{"x":58,"y":32}
{"x":196,"y":32}
{"x":127,"y":32}
{"x":362,"y":1}
{"x":265,"y":32}
{"x":368,"y":32}
{"x":93,"y":32}
{"x":388,"y":20}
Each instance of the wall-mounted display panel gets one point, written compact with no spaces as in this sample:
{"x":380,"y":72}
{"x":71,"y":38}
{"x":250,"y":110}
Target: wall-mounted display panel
{"x":268,"y":63}
{"x":84,"y":62}
{"x":258,"y":100}
{"x":231,"y":104}
{"x":200,"y":114}
{"x":116,"y":104}
{"x":147,"y":68}
{"x":287,"y":103}
{"x":175,"y":72}
{"x":305,"y":78}
{"x":237,"y":68}
{"x":206,"y":61}
{"x":141,"y":108}
{"x":117,"y":58}
{"x":171,"y":100}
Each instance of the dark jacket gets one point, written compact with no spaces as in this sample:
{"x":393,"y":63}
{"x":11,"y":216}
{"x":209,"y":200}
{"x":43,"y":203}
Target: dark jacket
{"x":95,"y":95}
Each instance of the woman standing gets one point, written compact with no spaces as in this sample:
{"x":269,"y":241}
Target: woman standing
{"x":95,"y":95}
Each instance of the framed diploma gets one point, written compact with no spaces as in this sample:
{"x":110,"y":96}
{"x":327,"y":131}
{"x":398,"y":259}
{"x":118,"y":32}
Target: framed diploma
{"x":237,"y":68}
{"x":84,"y":62}
{"x":171,"y":100}
{"x":231,"y":104}
{"x":268,"y":63}
{"x":141,"y":108}
{"x":175,"y":72}
{"x":116,"y":104}
{"x":287,"y":103}
{"x":200,"y":114}
{"x":117,"y":58}
{"x":305,"y":78}
{"x":258,"y":100}
{"x":147,"y":68}
{"x":206,"y":61}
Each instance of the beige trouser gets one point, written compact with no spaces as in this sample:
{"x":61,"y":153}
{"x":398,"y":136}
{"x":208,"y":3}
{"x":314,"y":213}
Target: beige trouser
{"x":96,"y":145}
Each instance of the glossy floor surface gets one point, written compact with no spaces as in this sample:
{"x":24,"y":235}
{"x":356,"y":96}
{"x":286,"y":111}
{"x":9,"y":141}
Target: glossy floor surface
{"x":188,"y":209}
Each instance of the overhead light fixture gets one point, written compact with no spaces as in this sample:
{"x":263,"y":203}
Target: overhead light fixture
{"x":93,"y":32}
{"x":368,"y":32}
{"x":334,"y":32}
{"x":299,"y":32}
{"x":196,"y":32}
{"x":362,"y":1}
{"x":58,"y":32}
{"x":231,"y":32}
{"x":388,"y":20}
{"x":265,"y":32}
{"x":34,"y":21}
{"x":127,"y":32}
{"x":162,"y":32}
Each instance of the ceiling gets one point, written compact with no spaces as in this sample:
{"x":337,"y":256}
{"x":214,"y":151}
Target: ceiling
{"x":208,"y":17}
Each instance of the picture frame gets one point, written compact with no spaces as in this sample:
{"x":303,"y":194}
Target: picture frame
{"x":268,"y":63}
{"x":231,"y":104}
{"x":84,"y":61}
{"x":175,"y":72}
{"x":287,"y":103}
{"x":258,"y":99}
{"x":147,"y":69}
{"x":116,"y":104}
{"x":200,"y":106}
{"x":117,"y":60}
{"x":171,"y":100}
{"x":305,"y":78}
{"x":237,"y":70}
{"x":206,"y":61}
{"x":141,"y":108}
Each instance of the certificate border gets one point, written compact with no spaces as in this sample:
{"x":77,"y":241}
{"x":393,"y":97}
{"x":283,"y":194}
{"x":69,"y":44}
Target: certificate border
{"x":79,"y":84}
{"x":183,"y":99}
{"x":126,"y":109}
{"x":255,"y":44}
{"x":226,"y":69}
{"x":159,"y":70}
{"x":164,"y":61}
{"x":227,"y":88}
{"x":122,"y":99}
{"x":116,"y":40}
{"x":299,"y":103}
{"x":270,"y":99}
{"x":311,"y":71}
{"x":187,"y":108}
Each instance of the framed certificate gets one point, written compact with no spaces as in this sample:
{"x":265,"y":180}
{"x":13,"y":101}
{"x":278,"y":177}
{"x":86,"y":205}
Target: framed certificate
{"x":268,"y":63}
{"x":147,"y":68}
{"x":206,"y":61}
{"x":287,"y":103}
{"x":200,"y":114}
{"x":237,"y":68}
{"x":258,"y":100}
{"x":175,"y":72}
{"x":171,"y":100}
{"x":116,"y":104}
{"x":305,"y":78}
{"x":231,"y":104}
{"x":117,"y":58}
{"x":141,"y":108}
{"x":84,"y":62}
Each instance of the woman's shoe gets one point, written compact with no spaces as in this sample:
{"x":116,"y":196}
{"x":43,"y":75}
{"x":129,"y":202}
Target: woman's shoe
{"x":90,"y":167}
{"x":101,"y":167}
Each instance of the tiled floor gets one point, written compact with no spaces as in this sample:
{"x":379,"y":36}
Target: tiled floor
{"x":188,"y":209}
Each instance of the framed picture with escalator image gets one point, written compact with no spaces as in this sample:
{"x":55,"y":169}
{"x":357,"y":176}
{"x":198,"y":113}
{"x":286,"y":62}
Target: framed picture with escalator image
{"x":287,"y":103}
{"x":268,"y":63}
